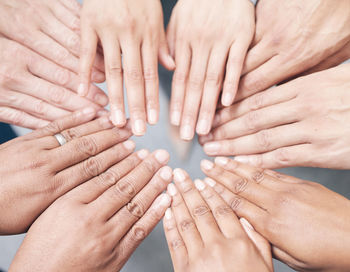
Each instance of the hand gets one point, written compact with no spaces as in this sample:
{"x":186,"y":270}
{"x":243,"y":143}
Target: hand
{"x":307,"y":224}
{"x":291,"y":37}
{"x":135,"y":30}
{"x":209,"y":48}
{"x":205,"y":235}
{"x":34,"y":90}
{"x":36,"y":170}
{"x":48,"y":27}
{"x":98,"y":225}
{"x":304,"y":122}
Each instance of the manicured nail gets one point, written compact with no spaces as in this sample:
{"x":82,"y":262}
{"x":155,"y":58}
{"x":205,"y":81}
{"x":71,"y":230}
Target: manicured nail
{"x":164,"y":200}
{"x":89,"y":111}
{"x":207,"y":165}
{"x":168,"y":214}
{"x":222,"y":161}
{"x":172,"y":189}
{"x":200,"y":185}
{"x":210,"y":182}
{"x":246,"y":224}
{"x":203,"y":127}
{"x":142,"y":154}
{"x":81,"y":89}
{"x":166,"y":173}
{"x":212,"y":148}
{"x":117,"y":116}
{"x":242,"y":159}
{"x":101,"y":99}
{"x":152,"y":116}
{"x":227,"y":99}
{"x":187,"y":132}
{"x":129,"y":145}
{"x":179,"y":175}
{"x":139,"y":127}
{"x":175,"y":118}
{"x":162,"y":156}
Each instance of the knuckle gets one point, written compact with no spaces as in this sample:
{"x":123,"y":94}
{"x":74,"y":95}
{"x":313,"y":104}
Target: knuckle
{"x":213,"y":78}
{"x":200,"y":210}
{"x":235,"y":203}
{"x":263,"y":139}
{"x":136,"y":209}
{"x":149,"y":166}
{"x":150,"y":74}
{"x":180,"y":77}
{"x":62,"y":76}
{"x":115,"y":70}
{"x":139,"y":233}
{"x":187,"y":225}
{"x":61,"y":55}
{"x":240,"y":185}
{"x":70,"y":134}
{"x":222,"y":210}
{"x":53,"y":127}
{"x":251,"y":120}
{"x":73,"y":42}
{"x":258,"y":176}
{"x":125,"y":188}
{"x":134,"y":75}
{"x":256,"y":102}
{"x":57,"y":95}
{"x":177,"y":244}
{"x":110,"y":177}
{"x":87,"y":145}
{"x":283,"y":157}
{"x":195,"y":81}
{"x":255,"y":83}
{"x":92,"y":167}
{"x":40,"y":107}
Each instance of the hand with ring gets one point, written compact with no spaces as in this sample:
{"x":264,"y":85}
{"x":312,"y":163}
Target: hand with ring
{"x":97,"y":225}
{"x":39,"y":169}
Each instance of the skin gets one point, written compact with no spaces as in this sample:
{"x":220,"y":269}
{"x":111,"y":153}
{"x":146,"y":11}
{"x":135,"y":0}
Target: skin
{"x":48,"y":27}
{"x":209,"y":48}
{"x":35,"y":90}
{"x":135,"y":30}
{"x":301,"y":123}
{"x":204,"y":234}
{"x":292,"y":37}
{"x":306,"y":223}
{"x":97,"y":225}
{"x":41,"y":170}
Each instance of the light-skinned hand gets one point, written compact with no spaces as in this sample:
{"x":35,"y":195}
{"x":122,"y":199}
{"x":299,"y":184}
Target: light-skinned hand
{"x":209,"y":45}
{"x":292,"y":37}
{"x":304,"y":122}
{"x":35,"y":90}
{"x":307,"y":224}
{"x":205,"y":235}
{"x":135,"y":30}
{"x":97,"y":225}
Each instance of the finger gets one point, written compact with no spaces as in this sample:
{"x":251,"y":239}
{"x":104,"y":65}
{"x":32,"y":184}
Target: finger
{"x":66,"y":16}
{"x":20,"y":118}
{"x":150,"y":74}
{"x":72,"y":5}
{"x":239,"y":185}
{"x":261,"y":79}
{"x":164,"y":56}
{"x":90,"y":145}
{"x":142,"y":228}
{"x":185,"y":223}
{"x":138,"y":206}
{"x":91,"y":190}
{"x":241,"y":206}
{"x":114,"y":74}
{"x":224,"y":216}
{"x":194,"y":91}
{"x":212,"y":87}
{"x":259,"y":241}
{"x":233,"y":71}
{"x":77,"y":118}
{"x":130,"y":185}
{"x":260,"y":142}
{"x":134,"y":83}
{"x":176,"y":245}
{"x":183,"y":61}
{"x":87,"y":56}
{"x":290,"y":156}
{"x":32,"y":106}
{"x":282,"y":177}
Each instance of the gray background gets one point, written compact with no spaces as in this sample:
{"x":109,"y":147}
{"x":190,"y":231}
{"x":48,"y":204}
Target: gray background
{"x":153,"y":254}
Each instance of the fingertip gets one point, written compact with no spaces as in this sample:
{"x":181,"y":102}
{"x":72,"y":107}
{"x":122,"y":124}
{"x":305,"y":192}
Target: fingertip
{"x":227,"y":99}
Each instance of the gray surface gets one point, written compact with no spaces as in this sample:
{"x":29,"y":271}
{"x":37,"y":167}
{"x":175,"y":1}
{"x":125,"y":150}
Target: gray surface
{"x":153,"y":255}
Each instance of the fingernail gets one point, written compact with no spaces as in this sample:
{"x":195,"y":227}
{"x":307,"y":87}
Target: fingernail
{"x":179,"y":175}
{"x":102,"y":113}
{"x":175,"y":118}
{"x":171,"y":61}
{"x":200,"y":185}
{"x":222,"y":161}
{"x":212,"y":148}
{"x":172,"y":189}
{"x":227,"y":99}
{"x":89,"y":111}
{"x":187,"y":132}
{"x":216,"y":120}
{"x":139,"y":127}
{"x":203,"y":127}
{"x":152,"y":116}
{"x":129,"y":145}
{"x":81,"y":89}
{"x":142,"y":154}
{"x":210,"y":182}
{"x":242,"y":159}
{"x":117,"y":116}
{"x":101,"y":99}
{"x":166,"y":173}
{"x":246,"y":225}
{"x":207,"y":165}
{"x":168,"y":214}
{"x":104,"y":122}
{"x":162,"y":156}
{"x":164,"y":200}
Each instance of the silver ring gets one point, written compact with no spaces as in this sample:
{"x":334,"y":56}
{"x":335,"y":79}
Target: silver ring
{"x":60,"y":139}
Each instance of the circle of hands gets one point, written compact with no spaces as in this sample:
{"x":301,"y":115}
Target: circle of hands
{"x":88,"y":204}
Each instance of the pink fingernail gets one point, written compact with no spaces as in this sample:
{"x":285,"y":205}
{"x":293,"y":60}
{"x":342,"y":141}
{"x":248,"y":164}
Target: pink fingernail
{"x":227,"y":99}
{"x":168,"y":214}
{"x":152,"y":116}
{"x":207,"y":165}
{"x":210,"y":182}
{"x":187,"y":132}
{"x":175,"y":118}
{"x":101,"y":99}
{"x":172,"y":189}
{"x":166,"y":173}
{"x":89,"y":111}
{"x":179,"y":175}
{"x":139,"y":127}
{"x":81,"y":89}
{"x":221,"y":161}
{"x":129,"y":145}
{"x":203,"y":127}
{"x":241,"y":159}
{"x":143,"y":154}
{"x":200,"y":185}
{"x":162,"y":156}
{"x":212,"y":148}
